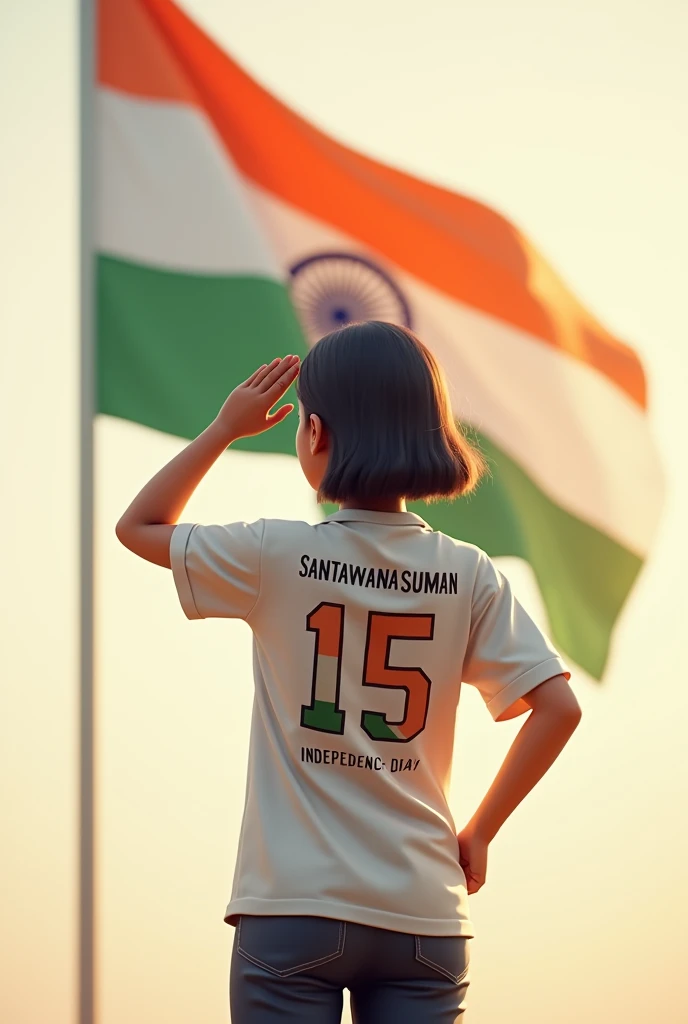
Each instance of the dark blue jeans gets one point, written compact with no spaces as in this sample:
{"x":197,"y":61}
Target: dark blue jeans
{"x":293,"y":970}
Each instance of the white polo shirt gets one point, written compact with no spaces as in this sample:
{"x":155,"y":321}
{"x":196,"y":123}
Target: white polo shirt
{"x":364,"y":627}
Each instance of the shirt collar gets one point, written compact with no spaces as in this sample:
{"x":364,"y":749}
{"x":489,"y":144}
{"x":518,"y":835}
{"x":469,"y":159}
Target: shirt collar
{"x":365,"y":515}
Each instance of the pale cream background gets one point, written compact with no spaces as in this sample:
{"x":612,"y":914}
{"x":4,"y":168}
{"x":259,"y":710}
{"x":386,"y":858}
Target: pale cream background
{"x":571,"y":120}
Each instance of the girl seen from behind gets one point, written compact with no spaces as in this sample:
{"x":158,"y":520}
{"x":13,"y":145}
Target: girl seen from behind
{"x":350,"y":872}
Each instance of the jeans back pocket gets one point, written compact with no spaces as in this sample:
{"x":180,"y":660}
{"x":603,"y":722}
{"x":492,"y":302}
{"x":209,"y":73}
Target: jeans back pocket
{"x":285,"y":945}
{"x":448,"y":954}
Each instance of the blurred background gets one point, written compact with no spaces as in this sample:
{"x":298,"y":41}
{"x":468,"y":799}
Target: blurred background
{"x":569,"y":119}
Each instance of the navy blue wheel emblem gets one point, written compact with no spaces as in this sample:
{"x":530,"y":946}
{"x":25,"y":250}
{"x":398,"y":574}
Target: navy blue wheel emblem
{"x":333,"y":289}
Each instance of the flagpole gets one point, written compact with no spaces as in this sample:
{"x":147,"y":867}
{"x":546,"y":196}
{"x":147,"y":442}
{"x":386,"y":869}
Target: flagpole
{"x":86,"y":881}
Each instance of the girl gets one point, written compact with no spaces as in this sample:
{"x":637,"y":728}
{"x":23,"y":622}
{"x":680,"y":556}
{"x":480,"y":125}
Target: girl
{"x":350,"y":872}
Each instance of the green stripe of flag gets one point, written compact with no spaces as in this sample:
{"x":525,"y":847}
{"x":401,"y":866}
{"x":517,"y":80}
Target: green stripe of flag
{"x":172,"y":346}
{"x":584,"y":576}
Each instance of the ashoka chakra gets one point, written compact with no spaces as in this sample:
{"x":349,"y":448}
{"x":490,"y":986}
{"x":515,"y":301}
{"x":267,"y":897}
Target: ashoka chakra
{"x":333,"y":289}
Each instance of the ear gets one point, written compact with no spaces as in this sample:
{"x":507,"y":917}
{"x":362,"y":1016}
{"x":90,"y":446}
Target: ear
{"x":318,"y":435}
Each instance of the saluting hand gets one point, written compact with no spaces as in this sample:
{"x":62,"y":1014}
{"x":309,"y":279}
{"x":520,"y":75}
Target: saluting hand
{"x":247,"y":410}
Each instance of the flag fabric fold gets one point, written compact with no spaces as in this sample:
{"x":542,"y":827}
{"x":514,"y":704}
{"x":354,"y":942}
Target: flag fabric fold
{"x":229,"y":229}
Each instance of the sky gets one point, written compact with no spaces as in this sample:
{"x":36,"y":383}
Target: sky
{"x":569,"y":119}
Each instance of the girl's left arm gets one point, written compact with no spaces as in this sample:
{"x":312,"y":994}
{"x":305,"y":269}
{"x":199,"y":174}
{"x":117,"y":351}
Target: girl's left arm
{"x":147,"y":525}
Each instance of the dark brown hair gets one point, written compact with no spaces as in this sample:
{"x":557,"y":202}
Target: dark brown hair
{"x":383,"y":400}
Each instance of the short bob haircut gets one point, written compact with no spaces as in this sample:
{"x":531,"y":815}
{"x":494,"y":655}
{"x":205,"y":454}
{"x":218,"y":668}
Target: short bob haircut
{"x":383,"y":401}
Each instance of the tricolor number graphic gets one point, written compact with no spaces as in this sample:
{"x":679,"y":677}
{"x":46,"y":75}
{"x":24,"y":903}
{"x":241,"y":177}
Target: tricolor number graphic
{"x":324,"y":713}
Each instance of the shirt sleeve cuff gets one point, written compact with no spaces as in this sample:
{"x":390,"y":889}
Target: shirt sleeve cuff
{"x":526,"y":682}
{"x":178,"y":542}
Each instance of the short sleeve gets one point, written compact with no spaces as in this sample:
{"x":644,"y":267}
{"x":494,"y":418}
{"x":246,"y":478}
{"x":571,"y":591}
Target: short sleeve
{"x":506,"y":655}
{"x":216,"y":569}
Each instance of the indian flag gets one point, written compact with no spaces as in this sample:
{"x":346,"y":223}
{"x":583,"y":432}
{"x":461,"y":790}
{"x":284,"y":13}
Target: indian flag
{"x":229,"y":230}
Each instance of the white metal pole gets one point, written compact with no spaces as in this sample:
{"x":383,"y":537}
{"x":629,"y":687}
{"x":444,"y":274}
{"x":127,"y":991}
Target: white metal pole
{"x":86,"y":882}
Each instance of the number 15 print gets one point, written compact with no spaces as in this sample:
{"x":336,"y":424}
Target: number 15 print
{"x":324,"y":713}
